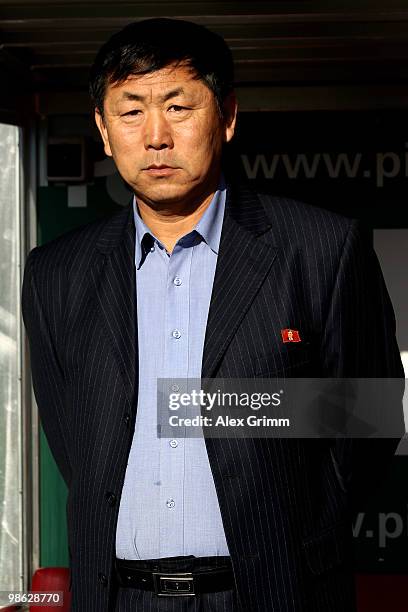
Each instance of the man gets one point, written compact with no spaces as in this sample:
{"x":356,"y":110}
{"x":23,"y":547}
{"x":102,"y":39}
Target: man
{"x":198,"y":278}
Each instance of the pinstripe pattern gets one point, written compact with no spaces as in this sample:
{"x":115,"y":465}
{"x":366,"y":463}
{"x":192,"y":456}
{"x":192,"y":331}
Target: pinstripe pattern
{"x":285,"y":512}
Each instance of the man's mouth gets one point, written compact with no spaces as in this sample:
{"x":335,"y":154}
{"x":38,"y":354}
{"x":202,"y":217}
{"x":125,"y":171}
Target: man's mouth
{"x":157,"y":166}
{"x":160,"y":169}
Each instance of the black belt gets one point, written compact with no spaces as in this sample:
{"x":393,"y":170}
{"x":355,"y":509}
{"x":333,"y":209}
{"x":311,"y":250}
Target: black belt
{"x":159,"y":575}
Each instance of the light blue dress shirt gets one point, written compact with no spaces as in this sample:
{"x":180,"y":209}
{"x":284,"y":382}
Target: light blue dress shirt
{"x":169,"y":505}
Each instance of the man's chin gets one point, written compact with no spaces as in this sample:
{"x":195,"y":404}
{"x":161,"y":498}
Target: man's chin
{"x":165,"y":194}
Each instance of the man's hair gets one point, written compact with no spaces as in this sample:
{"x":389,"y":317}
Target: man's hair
{"x":146,"y":46}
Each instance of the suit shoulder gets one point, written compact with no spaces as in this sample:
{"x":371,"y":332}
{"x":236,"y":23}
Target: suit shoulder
{"x":75,"y":245}
{"x":296,"y":211}
{"x":309,"y":227}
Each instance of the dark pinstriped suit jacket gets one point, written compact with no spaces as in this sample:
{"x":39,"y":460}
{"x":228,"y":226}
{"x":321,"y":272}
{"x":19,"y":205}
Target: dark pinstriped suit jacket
{"x":285,"y":504}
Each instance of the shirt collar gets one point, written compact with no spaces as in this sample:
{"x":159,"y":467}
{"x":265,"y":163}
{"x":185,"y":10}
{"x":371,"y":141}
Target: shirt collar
{"x":144,"y":237}
{"x":208,"y":227}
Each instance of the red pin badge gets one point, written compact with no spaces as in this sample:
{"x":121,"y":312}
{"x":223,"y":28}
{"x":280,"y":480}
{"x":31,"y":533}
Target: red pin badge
{"x":290,"y":335}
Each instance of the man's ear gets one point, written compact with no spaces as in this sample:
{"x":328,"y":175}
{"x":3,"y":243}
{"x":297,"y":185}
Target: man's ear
{"x":103,"y":132}
{"x":230,"y":106}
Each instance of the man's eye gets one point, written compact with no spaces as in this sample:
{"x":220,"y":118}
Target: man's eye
{"x":132,"y":113}
{"x":177,"y":108}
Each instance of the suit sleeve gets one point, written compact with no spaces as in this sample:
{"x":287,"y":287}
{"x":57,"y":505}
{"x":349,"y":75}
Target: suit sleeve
{"x":359,"y":342}
{"x":47,"y":372}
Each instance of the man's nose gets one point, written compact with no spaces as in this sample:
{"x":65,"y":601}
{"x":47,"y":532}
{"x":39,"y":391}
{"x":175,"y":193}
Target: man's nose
{"x":157,"y":132}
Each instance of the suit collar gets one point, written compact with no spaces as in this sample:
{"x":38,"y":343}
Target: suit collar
{"x":246,"y":209}
{"x":115,"y":228}
{"x":242,"y":205}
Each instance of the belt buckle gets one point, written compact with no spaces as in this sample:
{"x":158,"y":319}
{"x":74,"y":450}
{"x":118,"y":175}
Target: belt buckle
{"x":173,"y":585}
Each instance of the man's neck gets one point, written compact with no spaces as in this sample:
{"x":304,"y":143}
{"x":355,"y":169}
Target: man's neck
{"x":169,"y":226}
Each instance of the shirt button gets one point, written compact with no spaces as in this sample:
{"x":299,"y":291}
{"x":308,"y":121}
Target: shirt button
{"x":177,"y":281}
{"x":170,"y":503}
{"x":173,"y":443}
{"x":175,"y":387}
{"x":102,"y":579}
{"x":152,"y":249}
{"x":175,"y":333}
{"x":127,"y":419}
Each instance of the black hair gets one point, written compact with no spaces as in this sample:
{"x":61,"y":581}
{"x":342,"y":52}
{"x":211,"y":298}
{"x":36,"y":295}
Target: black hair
{"x":149,"y":45}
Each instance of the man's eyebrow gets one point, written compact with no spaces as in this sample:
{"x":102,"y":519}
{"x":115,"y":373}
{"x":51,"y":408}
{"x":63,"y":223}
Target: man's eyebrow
{"x":133,"y":97}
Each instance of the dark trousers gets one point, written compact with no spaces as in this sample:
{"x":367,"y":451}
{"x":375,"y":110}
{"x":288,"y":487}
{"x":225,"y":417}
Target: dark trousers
{"x":134,"y":600}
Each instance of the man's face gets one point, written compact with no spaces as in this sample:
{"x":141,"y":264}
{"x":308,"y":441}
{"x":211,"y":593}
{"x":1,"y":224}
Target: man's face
{"x":165,"y":134}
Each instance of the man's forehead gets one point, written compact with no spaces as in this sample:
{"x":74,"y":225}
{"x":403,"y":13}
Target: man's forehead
{"x":169,"y":78}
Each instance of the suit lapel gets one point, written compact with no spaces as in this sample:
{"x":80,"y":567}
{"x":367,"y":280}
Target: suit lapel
{"x":244,"y":259}
{"x":116,"y":294}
